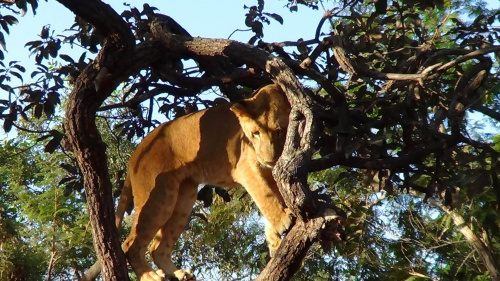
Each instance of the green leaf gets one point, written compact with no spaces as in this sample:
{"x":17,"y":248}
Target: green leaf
{"x":276,"y":17}
{"x":5,"y":26}
{"x":69,"y":168}
{"x":19,"y":67}
{"x":2,"y":41}
{"x":48,"y":108}
{"x":51,"y":146}
{"x":222,"y":193}
{"x":201,"y":216}
{"x":33,"y":44}
{"x":19,"y":76}
{"x":44,"y":34}
{"x":7,"y":125}
{"x":38,"y":111}
{"x":22,"y":5}
{"x":66,"y":58}
{"x":260,"y":7}
{"x":257,"y":27}
{"x":11,"y":20}
{"x":6,"y":87}
{"x":34,"y":5}
{"x":43,"y":137}
{"x":53,"y":97}
{"x":249,"y":20}
{"x":53,"y":47}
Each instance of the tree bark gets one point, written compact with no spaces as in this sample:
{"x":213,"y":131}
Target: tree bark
{"x":90,"y":152}
{"x":288,"y":259}
{"x":117,"y":59}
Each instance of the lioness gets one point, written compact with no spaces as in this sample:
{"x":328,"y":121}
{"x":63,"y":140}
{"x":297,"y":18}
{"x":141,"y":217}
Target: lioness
{"x":229,"y":145}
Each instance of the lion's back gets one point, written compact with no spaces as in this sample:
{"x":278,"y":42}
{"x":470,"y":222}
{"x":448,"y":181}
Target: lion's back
{"x":204,"y":139}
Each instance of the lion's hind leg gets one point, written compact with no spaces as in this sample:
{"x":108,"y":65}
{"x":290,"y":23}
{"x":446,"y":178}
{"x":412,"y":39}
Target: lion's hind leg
{"x":162,"y":246}
{"x":152,"y":211}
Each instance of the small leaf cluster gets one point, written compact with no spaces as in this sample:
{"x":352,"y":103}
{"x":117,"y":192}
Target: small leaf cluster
{"x":5,"y":22}
{"x":47,"y":46}
{"x":256,"y":17}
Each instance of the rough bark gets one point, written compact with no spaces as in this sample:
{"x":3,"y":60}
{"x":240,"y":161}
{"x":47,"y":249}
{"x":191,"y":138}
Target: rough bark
{"x":87,"y":145}
{"x":117,"y":59}
{"x":90,"y":152}
{"x":288,"y":259}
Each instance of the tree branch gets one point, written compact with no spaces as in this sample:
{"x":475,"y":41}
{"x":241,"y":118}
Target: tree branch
{"x":352,"y":66}
{"x":483,"y":250}
{"x":104,"y":19}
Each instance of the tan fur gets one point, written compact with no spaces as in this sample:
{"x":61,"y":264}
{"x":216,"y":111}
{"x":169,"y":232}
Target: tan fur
{"x":228,"y":145}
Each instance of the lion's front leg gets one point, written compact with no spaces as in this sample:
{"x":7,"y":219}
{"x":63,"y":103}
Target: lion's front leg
{"x":273,"y":232}
{"x":264,"y":191}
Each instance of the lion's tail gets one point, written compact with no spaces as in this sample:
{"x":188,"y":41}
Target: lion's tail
{"x":124,"y":204}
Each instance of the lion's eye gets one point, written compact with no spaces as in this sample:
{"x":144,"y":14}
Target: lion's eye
{"x":256,"y":134}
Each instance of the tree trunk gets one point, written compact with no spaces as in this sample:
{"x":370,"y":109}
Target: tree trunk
{"x":91,"y":88}
{"x":90,"y":151}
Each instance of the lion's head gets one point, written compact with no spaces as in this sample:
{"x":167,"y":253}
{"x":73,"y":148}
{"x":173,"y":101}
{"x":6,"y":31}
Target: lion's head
{"x":264,"y":120}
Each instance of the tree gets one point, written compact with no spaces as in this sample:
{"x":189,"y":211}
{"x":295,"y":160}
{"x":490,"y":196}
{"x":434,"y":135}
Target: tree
{"x":390,"y":94}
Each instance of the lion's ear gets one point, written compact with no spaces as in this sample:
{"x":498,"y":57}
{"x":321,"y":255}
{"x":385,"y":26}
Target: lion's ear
{"x":252,"y":107}
{"x":245,"y":119}
{"x":240,"y":110}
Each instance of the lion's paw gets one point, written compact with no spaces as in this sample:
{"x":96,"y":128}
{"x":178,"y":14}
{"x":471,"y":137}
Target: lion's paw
{"x":181,"y":275}
{"x":285,"y":221}
{"x":151,"y":276}
{"x":184,"y":275}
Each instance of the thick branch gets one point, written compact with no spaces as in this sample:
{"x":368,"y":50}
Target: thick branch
{"x":468,"y":56}
{"x":87,"y":144}
{"x":352,"y":66}
{"x":293,"y":248}
{"x":391,"y":163}
{"x":486,"y":111}
{"x":103,"y":18}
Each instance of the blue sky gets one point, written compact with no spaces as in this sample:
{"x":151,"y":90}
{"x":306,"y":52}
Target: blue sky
{"x":202,"y":18}
{"x":199,"y":17}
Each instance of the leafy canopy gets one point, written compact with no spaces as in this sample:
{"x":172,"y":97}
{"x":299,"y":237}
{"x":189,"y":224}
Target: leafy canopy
{"x":406,"y":90}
